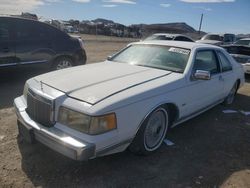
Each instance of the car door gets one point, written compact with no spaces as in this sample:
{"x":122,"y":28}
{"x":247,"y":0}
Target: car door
{"x":34,"y":43}
{"x":7,"y":43}
{"x":201,"y":94}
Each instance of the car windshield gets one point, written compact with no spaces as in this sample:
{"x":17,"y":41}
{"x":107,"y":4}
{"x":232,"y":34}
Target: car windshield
{"x":154,"y":56}
{"x":243,"y":42}
{"x":212,"y":37}
{"x":159,"y":37}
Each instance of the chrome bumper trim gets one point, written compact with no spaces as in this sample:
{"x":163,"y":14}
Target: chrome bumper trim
{"x":54,"y":138}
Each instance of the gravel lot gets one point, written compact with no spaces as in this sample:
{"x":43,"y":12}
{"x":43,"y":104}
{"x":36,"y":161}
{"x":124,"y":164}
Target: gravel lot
{"x":211,"y":150}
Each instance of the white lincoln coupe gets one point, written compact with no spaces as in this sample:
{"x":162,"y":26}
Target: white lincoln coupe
{"x":129,"y":101}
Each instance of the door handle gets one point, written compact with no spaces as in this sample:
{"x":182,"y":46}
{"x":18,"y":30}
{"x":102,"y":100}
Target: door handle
{"x":6,"y":49}
{"x":221,"y":78}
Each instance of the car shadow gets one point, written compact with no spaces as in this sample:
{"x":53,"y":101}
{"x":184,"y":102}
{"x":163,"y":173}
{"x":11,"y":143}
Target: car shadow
{"x":206,"y":151}
{"x":12,"y":82}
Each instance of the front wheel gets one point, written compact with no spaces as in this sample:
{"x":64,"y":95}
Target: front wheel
{"x":151,"y":133}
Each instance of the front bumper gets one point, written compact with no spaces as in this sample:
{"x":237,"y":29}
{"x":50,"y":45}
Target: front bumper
{"x":52,"y":137}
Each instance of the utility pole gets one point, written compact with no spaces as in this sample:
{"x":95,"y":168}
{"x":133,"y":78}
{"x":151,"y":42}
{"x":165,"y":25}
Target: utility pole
{"x":96,"y":32}
{"x":200,"y":23}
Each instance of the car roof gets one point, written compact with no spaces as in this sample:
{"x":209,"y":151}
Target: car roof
{"x":18,"y":17}
{"x":220,"y":34}
{"x":169,"y":34}
{"x":180,"y":44}
{"x":30,"y":20}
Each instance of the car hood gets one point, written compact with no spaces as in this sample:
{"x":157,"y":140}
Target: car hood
{"x":237,"y":49}
{"x":96,"y":82}
{"x":215,"y":42}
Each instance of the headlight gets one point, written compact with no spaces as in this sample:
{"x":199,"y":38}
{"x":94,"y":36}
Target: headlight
{"x":25,"y":90}
{"x":74,"y":119}
{"x":85,"y":123}
{"x":102,"y":124}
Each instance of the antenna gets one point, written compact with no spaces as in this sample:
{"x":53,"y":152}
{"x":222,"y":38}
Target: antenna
{"x":200,"y":23}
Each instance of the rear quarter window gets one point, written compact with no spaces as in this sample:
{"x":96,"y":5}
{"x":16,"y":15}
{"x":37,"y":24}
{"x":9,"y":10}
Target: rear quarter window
{"x":225,"y":63}
{"x":56,"y":33}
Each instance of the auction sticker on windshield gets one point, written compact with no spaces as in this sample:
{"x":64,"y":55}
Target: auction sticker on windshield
{"x":179,"y":50}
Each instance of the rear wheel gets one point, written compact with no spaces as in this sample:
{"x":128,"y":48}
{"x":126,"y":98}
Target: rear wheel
{"x":62,"y":63}
{"x":152,"y":132}
{"x":231,"y":96}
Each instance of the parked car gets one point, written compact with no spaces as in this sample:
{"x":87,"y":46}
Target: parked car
{"x":218,"y":39}
{"x":24,"y":42}
{"x":129,"y":101}
{"x":167,"y":36}
{"x":240,"y":51}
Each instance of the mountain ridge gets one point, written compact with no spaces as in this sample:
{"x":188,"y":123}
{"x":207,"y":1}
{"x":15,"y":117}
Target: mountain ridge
{"x":180,"y":27}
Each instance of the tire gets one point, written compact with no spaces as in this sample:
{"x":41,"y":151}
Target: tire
{"x":62,"y":63}
{"x":84,"y":57}
{"x":231,"y":96}
{"x":151,"y":133}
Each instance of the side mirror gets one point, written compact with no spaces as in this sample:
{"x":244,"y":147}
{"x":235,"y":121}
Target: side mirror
{"x":109,"y":57}
{"x":202,"y":75}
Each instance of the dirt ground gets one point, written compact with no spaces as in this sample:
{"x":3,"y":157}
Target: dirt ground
{"x":211,"y":150}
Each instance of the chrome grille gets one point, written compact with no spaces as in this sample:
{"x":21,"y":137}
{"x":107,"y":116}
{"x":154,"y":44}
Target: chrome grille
{"x":40,"y":109}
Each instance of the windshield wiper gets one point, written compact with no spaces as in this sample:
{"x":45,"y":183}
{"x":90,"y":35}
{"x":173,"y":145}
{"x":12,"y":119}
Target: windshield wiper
{"x":175,"y":70}
{"x":161,"y":68}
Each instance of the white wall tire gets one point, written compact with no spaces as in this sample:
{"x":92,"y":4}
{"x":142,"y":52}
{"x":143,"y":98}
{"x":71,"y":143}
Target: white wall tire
{"x":151,"y":133}
{"x":231,"y":96}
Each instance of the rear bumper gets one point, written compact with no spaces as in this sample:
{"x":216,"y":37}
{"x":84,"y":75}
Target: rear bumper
{"x":246,"y":68}
{"x":80,"y":57}
{"x":52,"y":137}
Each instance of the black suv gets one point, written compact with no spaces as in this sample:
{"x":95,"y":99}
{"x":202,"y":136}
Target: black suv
{"x":24,"y":41}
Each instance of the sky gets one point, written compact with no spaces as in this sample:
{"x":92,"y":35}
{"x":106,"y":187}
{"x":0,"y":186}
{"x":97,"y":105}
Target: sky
{"x":220,"y":16}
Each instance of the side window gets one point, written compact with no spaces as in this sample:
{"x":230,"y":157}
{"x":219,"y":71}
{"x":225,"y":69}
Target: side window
{"x":225,"y":64}
{"x":4,"y":32}
{"x":30,"y":30}
{"x":206,"y":60}
{"x":23,"y":30}
{"x":180,"y":38}
{"x":42,"y":31}
{"x":229,"y":38}
{"x":187,"y":39}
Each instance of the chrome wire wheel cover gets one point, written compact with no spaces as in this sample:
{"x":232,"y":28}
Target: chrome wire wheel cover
{"x":231,"y":95}
{"x":155,"y":130}
{"x":63,"y":64}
